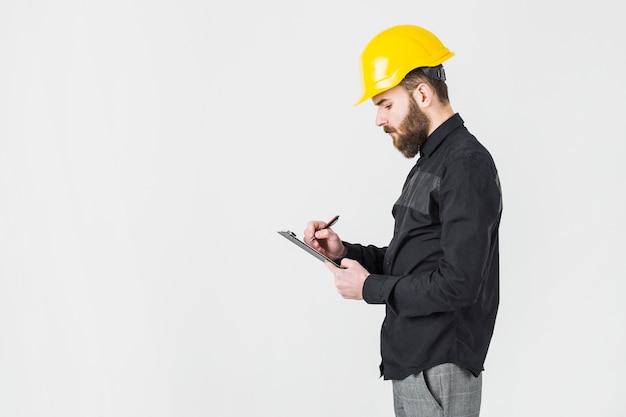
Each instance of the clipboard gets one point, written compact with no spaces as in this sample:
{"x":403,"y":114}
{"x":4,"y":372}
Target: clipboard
{"x":291,"y":236}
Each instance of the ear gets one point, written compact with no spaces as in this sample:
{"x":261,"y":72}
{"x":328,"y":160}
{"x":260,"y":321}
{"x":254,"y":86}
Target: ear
{"x":423,"y":95}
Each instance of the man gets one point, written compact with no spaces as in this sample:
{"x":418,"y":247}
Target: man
{"x":438,"y":277}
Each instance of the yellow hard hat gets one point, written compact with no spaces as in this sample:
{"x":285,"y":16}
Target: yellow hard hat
{"x":395,"y":52}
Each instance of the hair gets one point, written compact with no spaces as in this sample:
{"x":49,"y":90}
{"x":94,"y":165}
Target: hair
{"x":417,"y":76}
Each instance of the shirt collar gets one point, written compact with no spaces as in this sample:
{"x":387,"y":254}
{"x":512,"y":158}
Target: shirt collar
{"x":434,"y":140}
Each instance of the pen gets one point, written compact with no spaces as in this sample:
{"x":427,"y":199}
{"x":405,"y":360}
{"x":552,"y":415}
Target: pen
{"x":327,"y":225}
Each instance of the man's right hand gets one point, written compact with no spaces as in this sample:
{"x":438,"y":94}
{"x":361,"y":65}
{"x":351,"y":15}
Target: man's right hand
{"x":326,"y":241}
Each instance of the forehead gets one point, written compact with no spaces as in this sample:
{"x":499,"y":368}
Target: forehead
{"x":393,"y":94}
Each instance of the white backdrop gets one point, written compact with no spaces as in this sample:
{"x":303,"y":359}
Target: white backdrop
{"x":150,"y":150}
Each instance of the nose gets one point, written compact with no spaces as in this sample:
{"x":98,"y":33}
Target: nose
{"x":381,"y":120}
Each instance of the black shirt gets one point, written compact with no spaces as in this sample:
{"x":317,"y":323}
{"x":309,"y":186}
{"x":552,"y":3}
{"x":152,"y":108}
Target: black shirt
{"x":438,"y":277}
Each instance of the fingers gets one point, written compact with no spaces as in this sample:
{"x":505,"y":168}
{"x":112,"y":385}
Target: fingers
{"x":311,"y":228}
{"x":347,"y":263}
{"x":315,"y":232}
{"x":348,"y":279}
{"x":323,"y":234}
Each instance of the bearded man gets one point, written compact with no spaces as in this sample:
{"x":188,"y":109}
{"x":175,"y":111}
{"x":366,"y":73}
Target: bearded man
{"x":439,"y":275}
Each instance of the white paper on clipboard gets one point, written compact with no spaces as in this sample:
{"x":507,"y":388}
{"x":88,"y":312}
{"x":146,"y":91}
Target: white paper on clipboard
{"x":291,"y":236}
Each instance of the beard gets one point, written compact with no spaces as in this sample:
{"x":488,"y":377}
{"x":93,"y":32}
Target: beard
{"x":412,"y":132}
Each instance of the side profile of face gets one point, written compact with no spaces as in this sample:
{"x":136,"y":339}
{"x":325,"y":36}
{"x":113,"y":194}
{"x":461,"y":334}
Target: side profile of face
{"x":400,"y":116}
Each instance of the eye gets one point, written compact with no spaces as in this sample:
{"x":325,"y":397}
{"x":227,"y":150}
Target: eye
{"x":388,"y":106}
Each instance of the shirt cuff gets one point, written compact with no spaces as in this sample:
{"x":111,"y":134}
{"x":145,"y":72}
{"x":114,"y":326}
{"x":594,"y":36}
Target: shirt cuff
{"x":352,"y":252}
{"x":374,"y":289}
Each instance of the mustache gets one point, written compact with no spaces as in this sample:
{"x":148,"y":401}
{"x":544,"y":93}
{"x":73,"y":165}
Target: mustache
{"x":388,"y":129}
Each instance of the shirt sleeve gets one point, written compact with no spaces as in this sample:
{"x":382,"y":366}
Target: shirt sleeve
{"x":470,"y":210}
{"x":371,"y":257}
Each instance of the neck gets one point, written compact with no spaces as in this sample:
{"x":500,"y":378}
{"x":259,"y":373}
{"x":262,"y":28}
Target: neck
{"x":438,"y":116}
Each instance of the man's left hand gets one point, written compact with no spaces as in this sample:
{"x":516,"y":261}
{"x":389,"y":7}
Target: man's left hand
{"x":349,"y":278}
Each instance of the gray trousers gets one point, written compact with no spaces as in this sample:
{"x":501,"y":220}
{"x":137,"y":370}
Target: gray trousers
{"x":442,"y":391}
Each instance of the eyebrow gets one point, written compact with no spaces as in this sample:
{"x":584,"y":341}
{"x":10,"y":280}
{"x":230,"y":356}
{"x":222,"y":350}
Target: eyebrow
{"x":381,"y":101}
